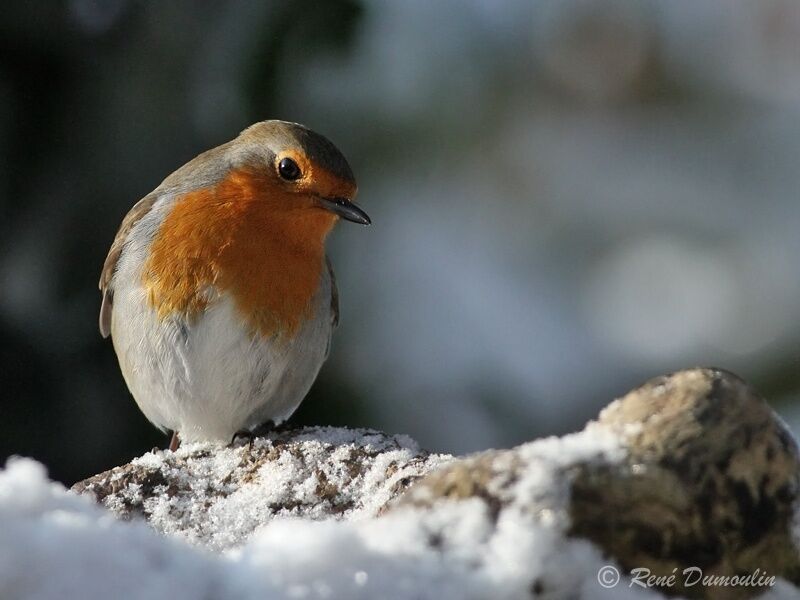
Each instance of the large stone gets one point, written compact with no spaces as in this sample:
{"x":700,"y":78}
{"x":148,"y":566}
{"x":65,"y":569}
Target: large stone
{"x":710,"y":481}
{"x":707,"y":478}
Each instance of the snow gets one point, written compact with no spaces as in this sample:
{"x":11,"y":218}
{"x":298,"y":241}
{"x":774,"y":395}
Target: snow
{"x":55,"y":544}
{"x":221,"y":495}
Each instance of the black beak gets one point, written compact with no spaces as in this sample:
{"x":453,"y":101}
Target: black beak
{"x":346,"y":210}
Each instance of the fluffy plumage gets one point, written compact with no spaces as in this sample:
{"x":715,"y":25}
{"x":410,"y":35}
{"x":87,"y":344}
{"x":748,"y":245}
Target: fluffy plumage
{"x":217,"y":292}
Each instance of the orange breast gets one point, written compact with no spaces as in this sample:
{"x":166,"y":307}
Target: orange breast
{"x":245,"y":237}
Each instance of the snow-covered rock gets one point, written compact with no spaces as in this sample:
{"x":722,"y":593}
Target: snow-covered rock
{"x":691,"y":470}
{"x":218,"y":496}
{"x":697,"y":473}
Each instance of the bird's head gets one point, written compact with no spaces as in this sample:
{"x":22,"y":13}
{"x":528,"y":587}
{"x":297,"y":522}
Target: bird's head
{"x":305,"y":167}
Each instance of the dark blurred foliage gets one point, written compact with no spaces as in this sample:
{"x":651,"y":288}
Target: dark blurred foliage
{"x":567,"y":197}
{"x":94,"y":112}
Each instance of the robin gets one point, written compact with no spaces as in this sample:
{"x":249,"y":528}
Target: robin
{"x":217,"y":292}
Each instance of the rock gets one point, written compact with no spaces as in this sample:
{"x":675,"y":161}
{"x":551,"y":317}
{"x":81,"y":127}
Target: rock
{"x":697,"y":473}
{"x":710,"y":481}
{"x":217,"y":496}
{"x":689,"y":471}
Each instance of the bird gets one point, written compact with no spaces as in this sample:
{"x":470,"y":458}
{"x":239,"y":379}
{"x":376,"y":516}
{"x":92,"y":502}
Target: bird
{"x":217,"y":291}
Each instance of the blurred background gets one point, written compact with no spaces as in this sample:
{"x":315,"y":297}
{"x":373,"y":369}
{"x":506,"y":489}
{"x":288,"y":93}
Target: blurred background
{"x":568,"y":197}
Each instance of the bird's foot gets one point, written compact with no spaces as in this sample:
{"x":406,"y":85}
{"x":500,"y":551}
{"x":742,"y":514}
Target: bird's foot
{"x":251,"y":434}
{"x":175,"y":442}
{"x":243,"y":434}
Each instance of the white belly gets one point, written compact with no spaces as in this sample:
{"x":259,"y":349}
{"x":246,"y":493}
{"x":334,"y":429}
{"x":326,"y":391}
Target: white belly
{"x":211,"y":378}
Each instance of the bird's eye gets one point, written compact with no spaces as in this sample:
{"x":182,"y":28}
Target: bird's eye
{"x":288,"y":169}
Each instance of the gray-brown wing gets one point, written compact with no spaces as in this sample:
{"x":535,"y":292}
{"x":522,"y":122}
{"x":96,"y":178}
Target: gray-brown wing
{"x":139,"y":210}
{"x":334,"y":303}
{"x":334,"y":293}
